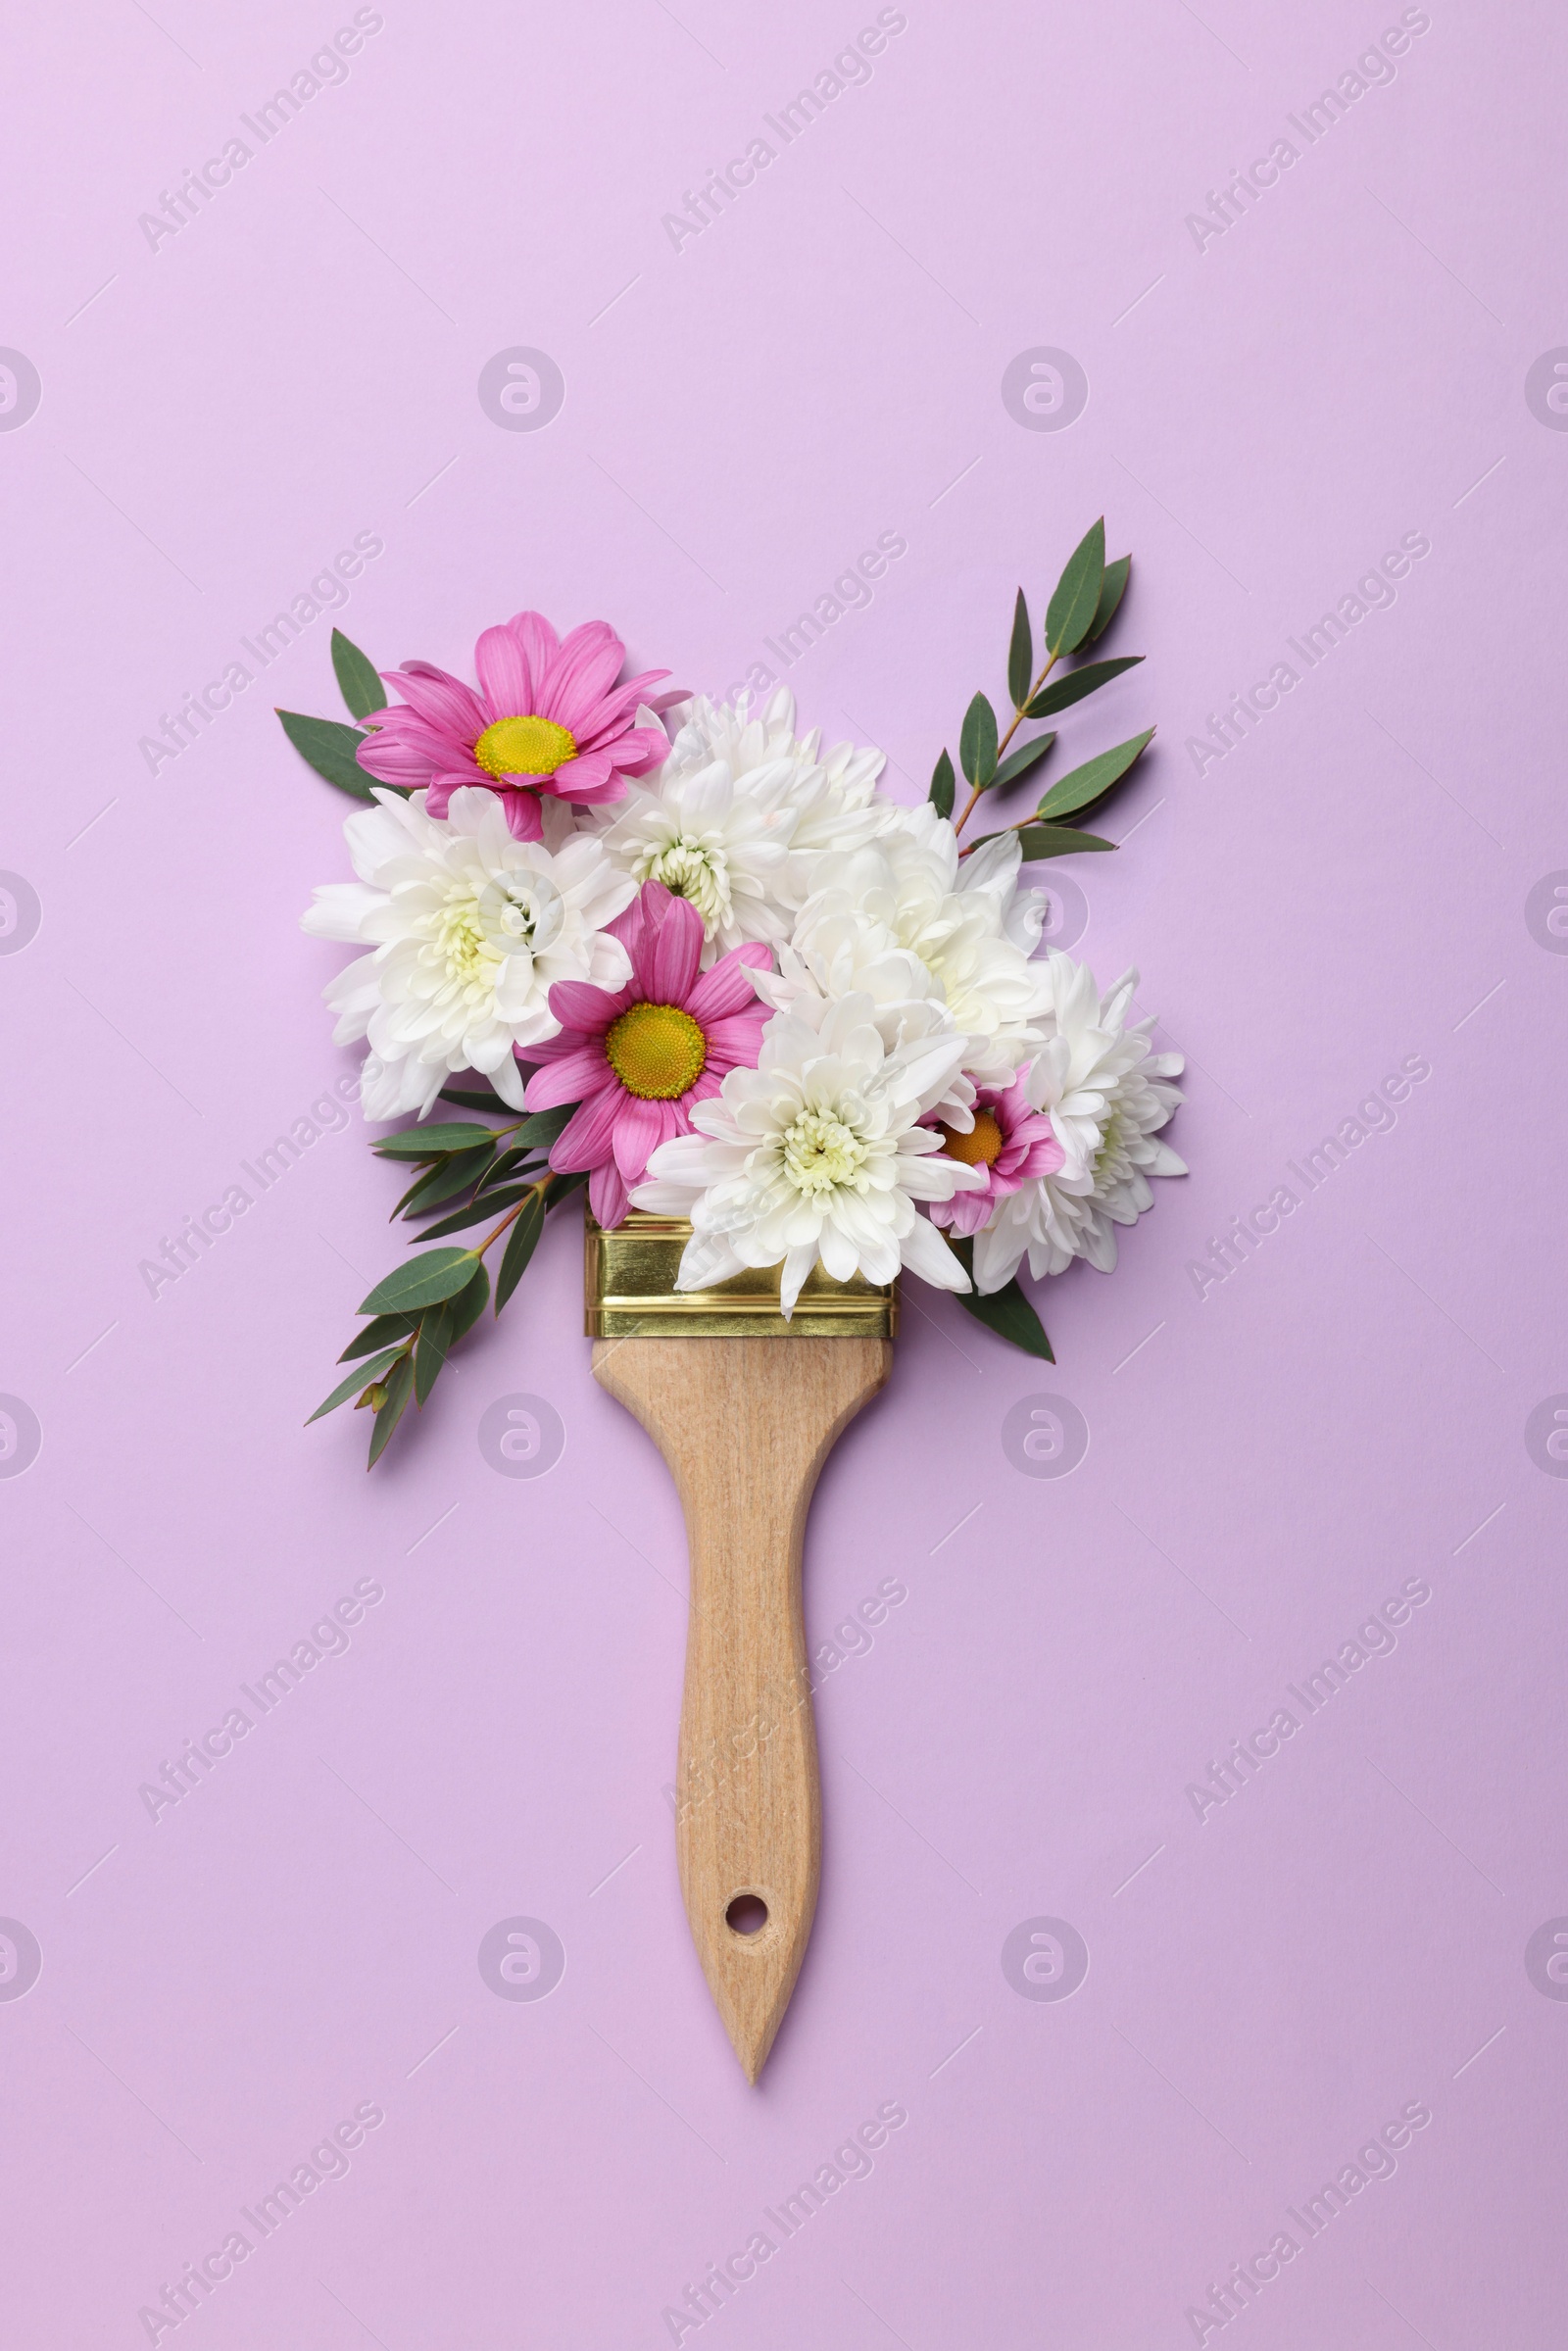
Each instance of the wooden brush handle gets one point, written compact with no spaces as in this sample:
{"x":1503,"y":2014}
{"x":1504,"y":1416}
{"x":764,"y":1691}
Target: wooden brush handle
{"x":746,"y":1425}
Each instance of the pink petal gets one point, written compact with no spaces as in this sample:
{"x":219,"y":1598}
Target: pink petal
{"x":449,"y":781}
{"x":441,"y":701}
{"x":965,"y":1213}
{"x":587,"y":779}
{"x":644,"y":679}
{"x":616,"y":708}
{"x":726,"y":989}
{"x":588,"y":666}
{"x":392,"y":761}
{"x":400,"y":724}
{"x":523,"y":821}
{"x":539,"y":644}
{"x":606,"y":1194}
{"x":588,"y":1139}
{"x":638,"y":1131}
{"x":629,"y":925}
{"x":639,"y":749}
{"x":570,"y":1041}
{"x":580,"y":1004}
{"x":671,"y":947}
{"x":1045,"y":1156}
{"x":501,"y":660}
{"x":389,"y":762}
{"x":737,"y":1041}
{"x":571,"y":1079}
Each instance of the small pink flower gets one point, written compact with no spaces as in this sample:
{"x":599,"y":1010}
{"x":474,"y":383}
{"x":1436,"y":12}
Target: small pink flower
{"x":1010,"y":1143}
{"x":548,"y":718}
{"x":638,"y":1058}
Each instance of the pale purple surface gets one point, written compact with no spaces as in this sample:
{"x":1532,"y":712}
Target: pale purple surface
{"x":1266,"y":1464}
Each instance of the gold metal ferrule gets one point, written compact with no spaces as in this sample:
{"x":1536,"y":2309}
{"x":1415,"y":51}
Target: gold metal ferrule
{"x":629,"y":1292}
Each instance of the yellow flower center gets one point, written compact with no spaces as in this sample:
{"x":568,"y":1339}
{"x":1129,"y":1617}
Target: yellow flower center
{"x":656,"y":1051}
{"x":524,"y":747}
{"x":461,"y":943}
{"x":980,"y":1148}
{"x":822,"y":1153}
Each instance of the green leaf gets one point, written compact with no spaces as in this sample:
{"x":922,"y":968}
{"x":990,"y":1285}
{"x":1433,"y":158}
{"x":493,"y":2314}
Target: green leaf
{"x":466,"y":1307}
{"x":413,"y":1191}
{"x":435,"y":1182}
{"x":1095,"y":777}
{"x":1112,"y":588}
{"x":475,"y":1102}
{"x":543,"y":1127}
{"x":1064,"y":691}
{"x":329,"y":747}
{"x":1042,"y":841}
{"x":977,"y":742}
{"x":361,"y":1375}
{"x":435,"y":1338}
{"x":422,"y":1281}
{"x":357,"y":678}
{"x":521,"y":1242}
{"x":1020,"y":763}
{"x":562,"y":1187}
{"x":386,"y":1330}
{"x":430,"y":1143}
{"x":1020,"y":654}
{"x":1006,"y":1311}
{"x":399,"y":1389}
{"x":1072,"y":609}
{"x":485,"y":1204}
{"x":1009,"y":1314}
{"x":942,"y":783}
{"x":507,"y":1164}
{"x":449,"y":1176}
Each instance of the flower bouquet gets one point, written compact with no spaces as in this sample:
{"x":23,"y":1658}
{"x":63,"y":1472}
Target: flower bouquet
{"x":726,"y":978}
{"x":794,"y":1037}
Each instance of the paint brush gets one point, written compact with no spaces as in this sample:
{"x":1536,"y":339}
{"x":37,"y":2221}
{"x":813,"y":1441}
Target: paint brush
{"x":745,"y":1408}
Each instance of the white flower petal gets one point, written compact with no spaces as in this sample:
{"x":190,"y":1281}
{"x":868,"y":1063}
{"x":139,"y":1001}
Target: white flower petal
{"x":926,"y":1253}
{"x":470,"y":930}
{"x":1106,"y":1096}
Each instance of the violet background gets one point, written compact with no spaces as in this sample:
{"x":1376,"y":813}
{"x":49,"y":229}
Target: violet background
{"x":1267,"y":1463}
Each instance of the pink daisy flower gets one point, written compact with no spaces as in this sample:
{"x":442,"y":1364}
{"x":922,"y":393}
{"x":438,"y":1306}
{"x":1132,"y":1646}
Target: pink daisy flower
{"x":1010,"y":1143}
{"x":636,"y":1059}
{"x":548,"y":718}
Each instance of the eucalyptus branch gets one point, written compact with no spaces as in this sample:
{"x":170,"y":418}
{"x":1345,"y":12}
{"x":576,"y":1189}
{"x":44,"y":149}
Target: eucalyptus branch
{"x":1082,"y":607}
{"x":433,"y":1300}
{"x":1019,"y":709}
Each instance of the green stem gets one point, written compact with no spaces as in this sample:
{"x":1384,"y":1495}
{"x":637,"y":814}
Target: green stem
{"x":512,"y":1213}
{"x":1017,"y":721}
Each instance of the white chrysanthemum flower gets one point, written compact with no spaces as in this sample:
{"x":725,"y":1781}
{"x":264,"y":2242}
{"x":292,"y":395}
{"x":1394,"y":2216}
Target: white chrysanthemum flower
{"x":824,"y":800}
{"x":842,"y":959}
{"x":711,"y":841}
{"x":816,"y":1156}
{"x":469,"y":931}
{"x":1107,"y":1098}
{"x":907,"y":899}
